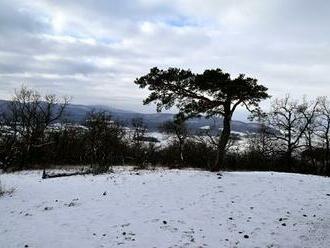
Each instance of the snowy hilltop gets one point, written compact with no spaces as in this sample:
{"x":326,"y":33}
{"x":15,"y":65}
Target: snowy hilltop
{"x":165,"y":208}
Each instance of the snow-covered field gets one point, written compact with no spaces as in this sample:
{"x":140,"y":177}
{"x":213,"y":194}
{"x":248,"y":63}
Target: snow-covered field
{"x":166,"y":208}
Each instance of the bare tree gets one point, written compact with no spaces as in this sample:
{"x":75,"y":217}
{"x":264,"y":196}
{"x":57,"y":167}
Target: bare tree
{"x":288,"y":121}
{"x":140,"y":154}
{"x":261,"y":142}
{"x":139,"y":129}
{"x":323,"y":130}
{"x":178,"y":128}
{"x":28,"y":115}
{"x":311,"y":115}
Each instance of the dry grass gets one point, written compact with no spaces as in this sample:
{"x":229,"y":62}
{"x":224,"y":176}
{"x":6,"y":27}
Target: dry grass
{"x":4,"y":191}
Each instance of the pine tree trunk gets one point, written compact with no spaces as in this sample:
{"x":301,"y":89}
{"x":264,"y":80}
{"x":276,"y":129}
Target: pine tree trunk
{"x":223,"y":141}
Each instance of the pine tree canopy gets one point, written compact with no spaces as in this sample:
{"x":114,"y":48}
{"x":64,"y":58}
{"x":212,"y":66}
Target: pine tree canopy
{"x":213,"y":92}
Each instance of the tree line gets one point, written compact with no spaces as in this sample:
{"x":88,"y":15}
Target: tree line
{"x":293,"y":135}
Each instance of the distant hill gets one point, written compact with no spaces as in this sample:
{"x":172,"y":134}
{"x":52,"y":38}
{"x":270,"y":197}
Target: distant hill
{"x":77,"y":113}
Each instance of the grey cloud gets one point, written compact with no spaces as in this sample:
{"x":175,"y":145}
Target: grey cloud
{"x":100,"y":49}
{"x":16,"y":19}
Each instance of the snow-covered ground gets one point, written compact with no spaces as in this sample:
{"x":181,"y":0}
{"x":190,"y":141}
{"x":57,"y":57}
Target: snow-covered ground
{"x":166,"y":208}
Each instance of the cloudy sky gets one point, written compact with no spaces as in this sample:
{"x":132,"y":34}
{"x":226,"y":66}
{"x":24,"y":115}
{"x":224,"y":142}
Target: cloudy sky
{"x":93,"y":50}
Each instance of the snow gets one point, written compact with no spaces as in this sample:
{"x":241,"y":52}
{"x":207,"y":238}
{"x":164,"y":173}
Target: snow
{"x":166,"y":208}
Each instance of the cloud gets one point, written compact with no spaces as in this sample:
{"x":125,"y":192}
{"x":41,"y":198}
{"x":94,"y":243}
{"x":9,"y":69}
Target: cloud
{"x":94,"y":51}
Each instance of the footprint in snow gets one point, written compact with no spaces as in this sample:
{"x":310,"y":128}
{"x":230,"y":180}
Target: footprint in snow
{"x":127,"y":236}
{"x":167,"y":227}
{"x":152,"y":221}
{"x":71,"y":204}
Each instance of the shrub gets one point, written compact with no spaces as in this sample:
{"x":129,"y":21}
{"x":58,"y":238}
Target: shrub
{"x":1,"y":189}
